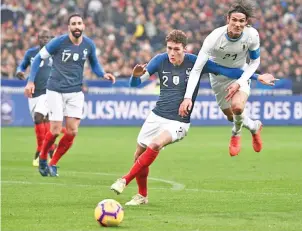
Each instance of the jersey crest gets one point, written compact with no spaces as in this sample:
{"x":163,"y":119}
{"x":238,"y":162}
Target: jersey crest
{"x":176,"y":79}
{"x":75,"y":57}
{"x":85,"y":53}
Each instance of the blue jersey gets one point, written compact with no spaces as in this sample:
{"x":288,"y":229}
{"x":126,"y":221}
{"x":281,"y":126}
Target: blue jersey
{"x":174,"y":79}
{"x":68,"y":63}
{"x":43,"y":73}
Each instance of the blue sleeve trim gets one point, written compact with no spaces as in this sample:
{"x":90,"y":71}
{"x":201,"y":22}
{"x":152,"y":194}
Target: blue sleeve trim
{"x":254,"y":76}
{"x":134,"y":81}
{"x":254,"y":54}
{"x":34,"y":68}
{"x":155,"y":63}
{"x":94,"y":62}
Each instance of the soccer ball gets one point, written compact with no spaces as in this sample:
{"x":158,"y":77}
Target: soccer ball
{"x":109,"y":213}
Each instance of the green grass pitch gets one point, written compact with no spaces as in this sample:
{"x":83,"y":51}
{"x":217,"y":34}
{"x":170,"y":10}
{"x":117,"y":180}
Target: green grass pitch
{"x":194,"y":185}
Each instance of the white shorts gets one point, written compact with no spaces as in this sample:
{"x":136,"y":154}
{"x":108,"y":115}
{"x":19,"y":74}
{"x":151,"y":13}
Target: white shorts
{"x":65,"y":104}
{"x":38,"y":104}
{"x":219,"y":84}
{"x":154,"y":125}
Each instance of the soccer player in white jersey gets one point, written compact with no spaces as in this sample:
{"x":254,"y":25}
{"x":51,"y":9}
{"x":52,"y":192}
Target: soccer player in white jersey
{"x":230,"y":46}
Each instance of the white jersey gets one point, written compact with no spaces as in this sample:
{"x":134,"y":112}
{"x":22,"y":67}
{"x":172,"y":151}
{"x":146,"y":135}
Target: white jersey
{"x":231,"y":52}
{"x":227,"y":52}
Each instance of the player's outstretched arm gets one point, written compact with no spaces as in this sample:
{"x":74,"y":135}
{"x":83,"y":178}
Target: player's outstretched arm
{"x":30,"y":86}
{"x":20,"y":73}
{"x":142,"y":72}
{"x":186,"y":106}
{"x":233,"y":73}
{"x":96,"y":66}
{"x":267,"y":79}
{"x":254,"y":54}
{"x":138,"y":73}
{"x":203,"y":56}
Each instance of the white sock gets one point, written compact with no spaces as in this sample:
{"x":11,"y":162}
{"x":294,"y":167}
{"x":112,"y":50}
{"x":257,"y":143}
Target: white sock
{"x":249,"y":124}
{"x":238,"y":122}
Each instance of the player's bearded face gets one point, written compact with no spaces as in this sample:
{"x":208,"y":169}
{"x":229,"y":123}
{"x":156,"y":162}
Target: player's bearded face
{"x":76,"y":27}
{"x":76,"y":33}
{"x":175,"y":52}
{"x":236,"y":23}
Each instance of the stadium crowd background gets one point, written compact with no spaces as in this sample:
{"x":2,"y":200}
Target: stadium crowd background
{"x":127,"y":32}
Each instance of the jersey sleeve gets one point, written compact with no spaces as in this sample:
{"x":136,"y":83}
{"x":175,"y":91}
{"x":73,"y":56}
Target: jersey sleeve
{"x":24,"y":63}
{"x":152,"y":67}
{"x":209,"y":43}
{"x":254,"y":53}
{"x":154,"y":64}
{"x":51,"y":47}
{"x":34,"y":68}
{"x":94,"y":62}
{"x":254,"y":48}
{"x":202,"y":58}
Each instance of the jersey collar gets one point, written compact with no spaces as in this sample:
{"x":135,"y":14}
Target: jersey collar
{"x":233,"y":40}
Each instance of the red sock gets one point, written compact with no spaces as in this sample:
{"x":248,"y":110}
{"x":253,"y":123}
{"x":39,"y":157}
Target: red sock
{"x":47,"y":127}
{"x":48,"y":142}
{"x":64,"y":144}
{"x":141,"y":179}
{"x":145,"y":160}
{"x":40,"y":135}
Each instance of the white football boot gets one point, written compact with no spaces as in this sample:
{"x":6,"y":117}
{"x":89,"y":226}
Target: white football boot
{"x":36,"y":162}
{"x":118,"y":186}
{"x":138,"y":199}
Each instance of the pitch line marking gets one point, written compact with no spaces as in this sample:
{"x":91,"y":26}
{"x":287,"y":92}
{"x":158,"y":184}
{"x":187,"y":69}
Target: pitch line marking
{"x":174,"y":185}
{"x":152,"y":188}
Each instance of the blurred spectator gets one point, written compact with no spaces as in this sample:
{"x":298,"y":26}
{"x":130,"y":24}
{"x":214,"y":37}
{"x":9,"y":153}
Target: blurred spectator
{"x":132,"y":31}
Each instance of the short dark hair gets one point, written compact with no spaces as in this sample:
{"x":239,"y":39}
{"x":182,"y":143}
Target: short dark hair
{"x":245,"y":7}
{"x":177,"y":36}
{"x":74,"y":15}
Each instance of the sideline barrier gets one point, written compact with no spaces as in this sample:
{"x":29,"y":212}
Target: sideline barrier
{"x":132,"y":110}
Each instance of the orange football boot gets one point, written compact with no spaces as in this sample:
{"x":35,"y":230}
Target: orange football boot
{"x":257,"y":141}
{"x":235,"y":145}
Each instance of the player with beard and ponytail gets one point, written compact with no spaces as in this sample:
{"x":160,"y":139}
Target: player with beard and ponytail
{"x":64,"y":87}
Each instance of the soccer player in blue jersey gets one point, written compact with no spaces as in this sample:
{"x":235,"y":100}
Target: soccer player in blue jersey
{"x":64,"y":87}
{"x":164,"y":125}
{"x":37,"y":104}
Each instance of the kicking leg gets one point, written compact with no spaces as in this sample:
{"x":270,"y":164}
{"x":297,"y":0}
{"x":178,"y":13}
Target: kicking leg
{"x":141,"y":180}
{"x":143,"y":161}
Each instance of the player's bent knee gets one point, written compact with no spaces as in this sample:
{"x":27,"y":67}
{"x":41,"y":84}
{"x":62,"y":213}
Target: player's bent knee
{"x":237,"y":109}
{"x":72,"y":132}
{"x":38,"y":118}
{"x":155,"y":146}
{"x":55,"y":132}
